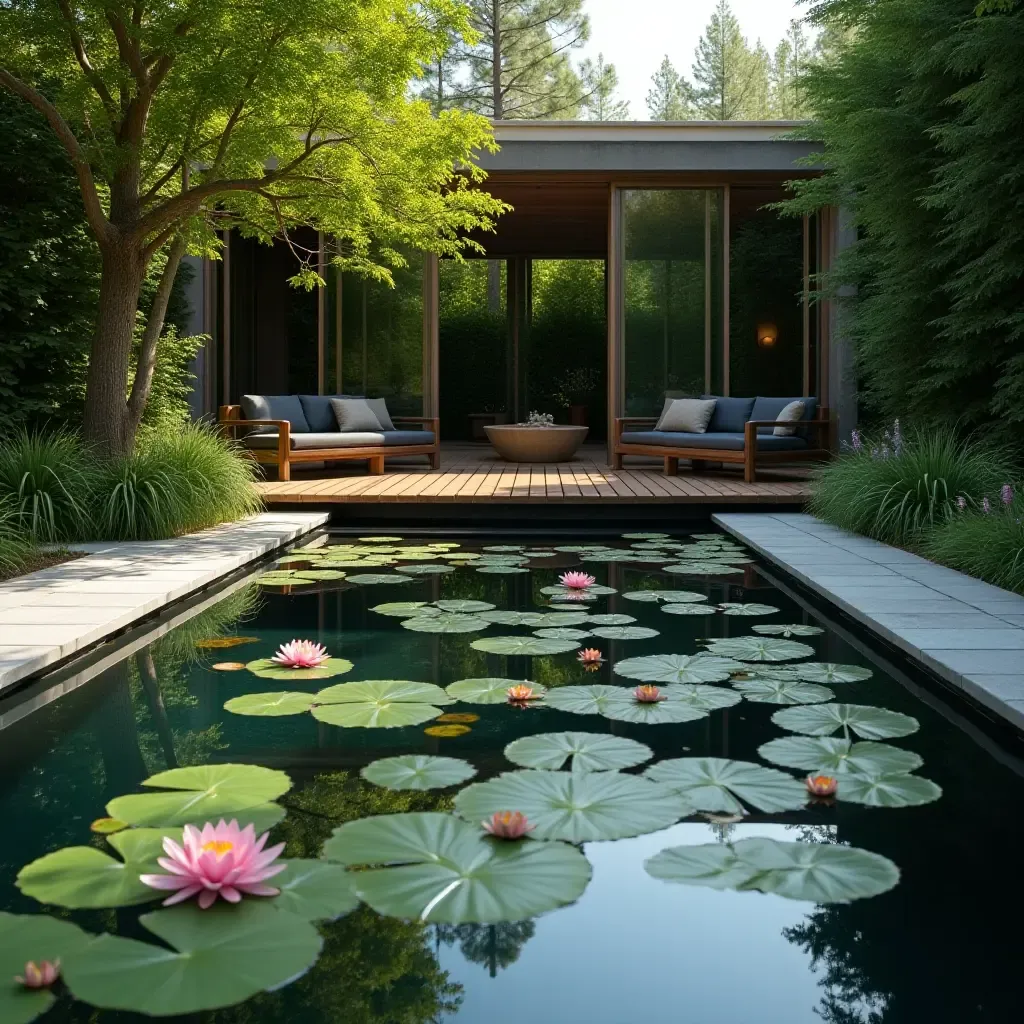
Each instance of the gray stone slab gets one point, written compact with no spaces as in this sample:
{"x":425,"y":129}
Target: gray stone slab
{"x":989,"y":661}
{"x":906,"y":621}
{"x":1006,"y":686}
{"x":967,"y":639}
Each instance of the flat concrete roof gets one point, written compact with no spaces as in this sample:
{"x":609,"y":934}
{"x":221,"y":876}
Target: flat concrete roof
{"x":649,"y":146}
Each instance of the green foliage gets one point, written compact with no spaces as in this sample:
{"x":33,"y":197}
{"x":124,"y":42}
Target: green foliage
{"x":895,"y":490}
{"x":600,"y":82}
{"x":17,"y":548}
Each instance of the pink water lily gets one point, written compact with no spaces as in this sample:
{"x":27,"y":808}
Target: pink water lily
{"x":577,"y":580}
{"x":42,"y":975}
{"x":300,"y":654}
{"x":648,"y":695}
{"x":221,"y":860}
{"x":507,"y":825}
{"x":591,"y":658}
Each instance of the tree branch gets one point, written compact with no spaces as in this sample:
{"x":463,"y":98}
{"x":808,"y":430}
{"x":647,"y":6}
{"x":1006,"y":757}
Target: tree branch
{"x":91,"y":74}
{"x":128,"y":48}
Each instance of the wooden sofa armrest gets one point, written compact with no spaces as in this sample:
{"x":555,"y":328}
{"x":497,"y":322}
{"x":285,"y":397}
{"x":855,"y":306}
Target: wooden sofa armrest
{"x":229,"y":422}
{"x":621,"y":421}
{"x":429,"y":422}
{"x":750,"y":427}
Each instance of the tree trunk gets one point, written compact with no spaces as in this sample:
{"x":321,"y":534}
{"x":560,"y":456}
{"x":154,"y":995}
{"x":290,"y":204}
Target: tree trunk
{"x":107,"y":423}
{"x":496,"y":97}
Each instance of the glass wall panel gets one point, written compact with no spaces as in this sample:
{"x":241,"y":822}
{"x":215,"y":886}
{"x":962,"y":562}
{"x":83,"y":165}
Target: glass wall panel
{"x":382,"y":338}
{"x":766,"y":335}
{"x":672,"y":274}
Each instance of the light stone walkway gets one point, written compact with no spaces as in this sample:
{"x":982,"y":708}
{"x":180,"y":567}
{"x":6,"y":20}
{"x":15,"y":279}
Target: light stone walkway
{"x":48,"y":616}
{"x":967,"y":632}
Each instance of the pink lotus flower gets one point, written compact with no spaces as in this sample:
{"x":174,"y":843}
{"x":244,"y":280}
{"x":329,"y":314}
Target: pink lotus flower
{"x":301,"y":654}
{"x":648,"y":695}
{"x":822,"y":785}
{"x":590,"y":658}
{"x":42,"y":976}
{"x":521,"y":693}
{"x":576,"y":580}
{"x":508,"y":825}
{"x":222,"y":860}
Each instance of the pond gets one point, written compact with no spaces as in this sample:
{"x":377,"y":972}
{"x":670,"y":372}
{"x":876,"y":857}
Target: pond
{"x":676,"y":867}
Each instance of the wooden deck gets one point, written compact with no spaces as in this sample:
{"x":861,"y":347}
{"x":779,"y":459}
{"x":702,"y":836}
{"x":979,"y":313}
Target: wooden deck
{"x":474,"y":474}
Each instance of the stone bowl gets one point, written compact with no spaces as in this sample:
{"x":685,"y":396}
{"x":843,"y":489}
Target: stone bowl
{"x":535,"y":444}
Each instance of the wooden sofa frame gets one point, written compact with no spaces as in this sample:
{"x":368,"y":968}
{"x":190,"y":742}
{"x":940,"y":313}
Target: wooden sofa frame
{"x":749,"y":455}
{"x":229,"y":420}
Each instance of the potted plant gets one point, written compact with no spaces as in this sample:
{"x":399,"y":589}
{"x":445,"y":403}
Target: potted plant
{"x":572,"y":391}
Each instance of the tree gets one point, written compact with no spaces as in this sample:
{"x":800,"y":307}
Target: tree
{"x":519,"y":66}
{"x":184,"y":119}
{"x":758,"y":105}
{"x":600,"y":82}
{"x":723,"y":68}
{"x":788,"y":96}
{"x":671,"y":96}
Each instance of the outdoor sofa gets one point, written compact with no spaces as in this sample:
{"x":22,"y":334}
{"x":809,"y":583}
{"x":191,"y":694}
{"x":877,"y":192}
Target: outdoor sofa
{"x":281,"y":430}
{"x":741,"y":430}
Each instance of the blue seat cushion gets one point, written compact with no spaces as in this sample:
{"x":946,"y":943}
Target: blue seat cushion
{"x":720,"y":442}
{"x":275,"y":407}
{"x":319,"y":414}
{"x":769,"y":409}
{"x":349,"y":439}
{"x":400,"y":437}
{"x":730,"y":414}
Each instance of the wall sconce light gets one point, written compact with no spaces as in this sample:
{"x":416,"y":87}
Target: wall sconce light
{"x":767,"y":335}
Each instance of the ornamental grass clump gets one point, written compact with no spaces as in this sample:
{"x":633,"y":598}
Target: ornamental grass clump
{"x":17,"y":548}
{"x":897,"y":487}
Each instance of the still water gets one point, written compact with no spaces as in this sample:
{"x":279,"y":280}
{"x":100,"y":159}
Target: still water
{"x":940,"y":946}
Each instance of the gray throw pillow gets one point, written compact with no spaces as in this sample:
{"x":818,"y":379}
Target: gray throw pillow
{"x":687,"y":416}
{"x":792,"y":413}
{"x":380,"y":410}
{"x":274,"y":407}
{"x":354,"y":414}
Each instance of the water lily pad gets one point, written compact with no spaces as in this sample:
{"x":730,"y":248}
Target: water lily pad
{"x":566,"y":618}
{"x":611,"y":620}
{"x":34,"y":937}
{"x":733,"y":608}
{"x":675,"y":668}
{"x":418,"y":771}
{"x":523,"y":645}
{"x":815,"y":872}
{"x":435,"y":868}
{"x":501,"y":570}
{"x":624,"y":632}
{"x":488,"y":690}
{"x":464,"y":607}
{"x":597,"y":589}
{"x":782,"y":691}
{"x":200,"y":793}
{"x":576,"y":807}
{"x":561,"y":633}
{"x":505,"y":617}
{"x":218,"y":642}
{"x":323,"y":574}
{"x":539,"y":554}
{"x":379,"y":540}
{"x":666,"y":712}
{"x":645,"y":536}
{"x":700,"y":696}
{"x":824,"y":672}
{"x":446,"y":622}
{"x":379,"y":704}
{"x":349,"y":563}
{"x":668,"y":596}
{"x":314,"y":890}
{"x":427,"y":569}
{"x":866,"y":722}
{"x":505,"y":548}
{"x":270,"y":705}
{"x":370,"y":579}
{"x":677,"y":608}
{"x":717,"y":784}
{"x":590,"y":752}
{"x":701,"y":569}
{"x":405,"y":609}
{"x":892,"y":790}
{"x":267,"y":668}
{"x":839,"y":757}
{"x":447,"y":731}
{"x":756,"y":648}
{"x":583,"y":700}
{"x":794,"y":629}
{"x":217,"y":957}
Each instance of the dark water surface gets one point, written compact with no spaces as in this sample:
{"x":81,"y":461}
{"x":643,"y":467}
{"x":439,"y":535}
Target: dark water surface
{"x":942,"y":946}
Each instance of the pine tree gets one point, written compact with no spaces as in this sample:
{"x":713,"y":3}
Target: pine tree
{"x":723,"y":69}
{"x":788,"y":95}
{"x":600,"y":81}
{"x":757,"y":90}
{"x":671,"y":96}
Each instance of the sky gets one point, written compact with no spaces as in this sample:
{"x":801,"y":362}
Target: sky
{"x":634,"y":35}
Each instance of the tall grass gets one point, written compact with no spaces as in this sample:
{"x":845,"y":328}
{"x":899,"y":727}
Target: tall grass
{"x":895,"y":488}
{"x":17,"y":548}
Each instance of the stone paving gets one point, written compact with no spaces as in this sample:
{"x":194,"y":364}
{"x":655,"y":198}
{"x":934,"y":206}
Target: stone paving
{"x":47,"y":616}
{"x":967,"y":632}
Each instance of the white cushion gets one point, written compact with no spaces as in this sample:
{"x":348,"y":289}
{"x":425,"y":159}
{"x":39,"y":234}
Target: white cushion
{"x":792,"y":413}
{"x":687,"y":416}
{"x":354,"y":414}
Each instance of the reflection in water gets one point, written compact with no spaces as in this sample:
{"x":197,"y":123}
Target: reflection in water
{"x":497,"y":946}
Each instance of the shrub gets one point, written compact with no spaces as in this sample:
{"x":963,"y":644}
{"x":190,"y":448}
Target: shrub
{"x":989,"y":545}
{"x":17,"y":548}
{"x":175,"y":482}
{"x":47,"y":480}
{"x":896,"y":488}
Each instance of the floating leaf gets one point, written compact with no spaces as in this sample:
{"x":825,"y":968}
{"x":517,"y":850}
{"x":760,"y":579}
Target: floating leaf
{"x":539,"y":554}
{"x":733,"y":608}
{"x":566,"y":618}
{"x":665,"y":712}
{"x":833,"y":756}
{"x":815,"y":872}
{"x":405,"y":609}
{"x":107,"y":826}
{"x":489,"y":690}
{"x":314,"y":890}
{"x":866,"y":722}
{"x":440,"y":869}
{"x":796,"y":629}
{"x":892,"y":790}
{"x":446,"y":623}
{"x":701,"y":569}
{"x":824,"y":672}
{"x":717,"y":784}
{"x":228,"y":666}
{"x":583,"y":700}
{"x":624,"y":632}
{"x":590,"y":752}
{"x":200,"y":793}
{"x":561,"y":633}
{"x":501,"y":570}
{"x":447,"y":731}
{"x":267,"y":668}
{"x":645,"y":536}
{"x":270,"y":705}
{"x":379,"y":704}
{"x":427,"y":569}
{"x":523,"y":646}
{"x":697,"y":695}
{"x":418,"y":771}
{"x":505,"y":548}
{"x":322,"y":574}
{"x":675,"y":668}
{"x":756,"y":648}
{"x":512,"y":618}
{"x":218,"y":957}
{"x":668,"y":596}
{"x":215,"y":643}
{"x":577,"y":807}
{"x":464,"y":607}
{"x":677,"y":608}
{"x":782,"y":691}
{"x":611,"y":620}
{"x":381,"y":540}
{"x":369,"y":579}
{"x":459,"y":717}
{"x":596,"y":588}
